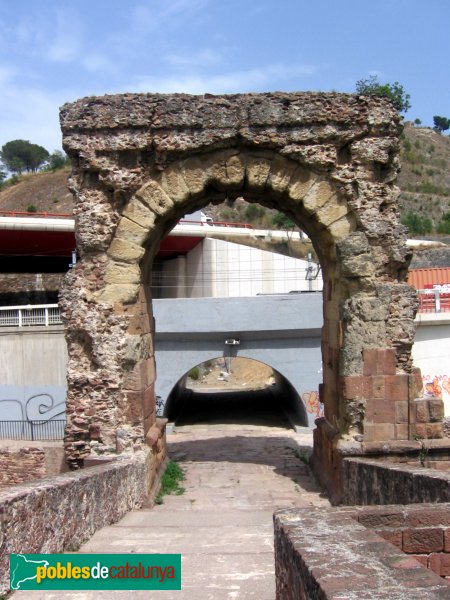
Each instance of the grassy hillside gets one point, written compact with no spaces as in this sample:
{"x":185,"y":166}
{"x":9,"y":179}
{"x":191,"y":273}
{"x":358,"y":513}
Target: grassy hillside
{"x":38,"y":192}
{"x":424,"y":182}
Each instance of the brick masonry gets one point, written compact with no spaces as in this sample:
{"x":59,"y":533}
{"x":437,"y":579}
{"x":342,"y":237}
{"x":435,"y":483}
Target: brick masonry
{"x":21,"y":465}
{"x":341,"y":553}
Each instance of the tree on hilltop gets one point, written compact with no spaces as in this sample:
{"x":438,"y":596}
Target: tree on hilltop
{"x":57,"y":160}
{"x":393,"y":91}
{"x":441,"y":123}
{"x":22,"y":155}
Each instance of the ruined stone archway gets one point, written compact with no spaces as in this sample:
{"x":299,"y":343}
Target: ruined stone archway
{"x":328,"y":160}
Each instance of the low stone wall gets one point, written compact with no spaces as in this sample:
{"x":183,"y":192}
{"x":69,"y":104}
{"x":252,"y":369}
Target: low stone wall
{"x":21,"y":465}
{"x":21,"y":462}
{"x":328,"y":554}
{"x":422,"y":531}
{"x":60,"y":513}
{"x":372,"y":481}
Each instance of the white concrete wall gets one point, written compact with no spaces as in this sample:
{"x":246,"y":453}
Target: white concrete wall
{"x":431,"y":353}
{"x":220,"y":269}
{"x":33,"y":368}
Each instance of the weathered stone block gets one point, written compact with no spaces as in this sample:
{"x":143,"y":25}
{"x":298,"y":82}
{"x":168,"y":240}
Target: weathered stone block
{"x":357,"y":387}
{"x":118,"y":294}
{"x":379,"y":361}
{"x":172,"y":189}
{"x":401,"y":412}
{"x":132,"y":232}
{"x":378,"y":432}
{"x":140,"y":213}
{"x":436,"y":409}
{"x":427,"y":430}
{"x":301,"y":182}
{"x":257,"y":173}
{"x":423,"y":540}
{"x":321,"y":195}
{"x":421,"y":413}
{"x":117,"y":273}
{"x":396,"y":387}
{"x":125,"y":251}
{"x":401,"y":431}
{"x":156,"y":198}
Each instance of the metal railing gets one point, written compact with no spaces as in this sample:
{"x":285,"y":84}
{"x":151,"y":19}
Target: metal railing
{"x":23,"y":316}
{"x":216,"y":224}
{"x":32,"y":430}
{"x":32,"y":215}
{"x":433,"y":301}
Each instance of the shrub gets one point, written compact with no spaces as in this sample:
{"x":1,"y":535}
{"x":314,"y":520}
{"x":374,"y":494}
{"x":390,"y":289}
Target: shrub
{"x":253,"y":212}
{"x":170,"y":482}
{"x":417,"y":224}
{"x":194,"y":374}
{"x":444,"y":224}
{"x":31,"y":208}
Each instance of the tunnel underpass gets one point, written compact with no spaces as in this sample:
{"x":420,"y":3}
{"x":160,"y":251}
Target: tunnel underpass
{"x":272,"y":401}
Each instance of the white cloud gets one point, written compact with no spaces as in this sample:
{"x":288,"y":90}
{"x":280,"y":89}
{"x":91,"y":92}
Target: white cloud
{"x":31,"y":114}
{"x":66,"y":42}
{"x":96,"y":62}
{"x":203,"y":58}
{"x":256,"y":79}
{"x":147,"y":18}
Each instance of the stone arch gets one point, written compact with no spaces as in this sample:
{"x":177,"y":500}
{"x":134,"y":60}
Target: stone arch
{"x":327,"y":160}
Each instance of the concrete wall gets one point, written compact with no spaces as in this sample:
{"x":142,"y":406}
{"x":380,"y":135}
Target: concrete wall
{"x":216,"y":268}
{"x":431,"y":352}
{"x":32,"y":373}
{"x":280,"y":331}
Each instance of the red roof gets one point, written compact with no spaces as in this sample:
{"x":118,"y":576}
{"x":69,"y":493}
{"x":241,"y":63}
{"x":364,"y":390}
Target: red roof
{"x":422,"y":279}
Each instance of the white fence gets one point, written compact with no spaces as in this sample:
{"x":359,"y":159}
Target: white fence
{"x":23,"y":316}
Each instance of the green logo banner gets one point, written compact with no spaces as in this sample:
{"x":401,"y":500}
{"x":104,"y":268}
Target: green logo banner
{"x":95,"y":571}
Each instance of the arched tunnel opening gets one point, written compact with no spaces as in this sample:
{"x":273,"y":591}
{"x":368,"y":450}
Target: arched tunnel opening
{"x":235,"y":390}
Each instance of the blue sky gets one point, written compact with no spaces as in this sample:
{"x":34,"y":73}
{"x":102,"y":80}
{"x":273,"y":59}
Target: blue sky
{"x":54,"y":51}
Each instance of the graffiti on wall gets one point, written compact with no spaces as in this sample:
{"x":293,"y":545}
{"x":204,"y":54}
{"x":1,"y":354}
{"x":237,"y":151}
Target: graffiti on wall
{"x":313,"y":404}
{"x":18,"y":405}
{"x":436,"y":386}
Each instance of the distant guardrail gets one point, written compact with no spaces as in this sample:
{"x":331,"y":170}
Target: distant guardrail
{"x":32,"y":430}
{"x":216,"y":224}
{"x":433,"y":301}
{"x":30,"y":315}
{"x":32,"y":215}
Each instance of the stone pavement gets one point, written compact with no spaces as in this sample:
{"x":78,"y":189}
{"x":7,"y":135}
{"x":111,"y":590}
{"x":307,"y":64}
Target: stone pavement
{"x":236,"y":476}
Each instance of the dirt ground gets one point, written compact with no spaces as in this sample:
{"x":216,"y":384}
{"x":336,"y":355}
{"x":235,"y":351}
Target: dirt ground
{"x":233,"y":373}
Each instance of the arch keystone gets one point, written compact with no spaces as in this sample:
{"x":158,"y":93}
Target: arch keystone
{"x":257,"y":173}
{"x":156,"y":198}
{"x":281,"y":172}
